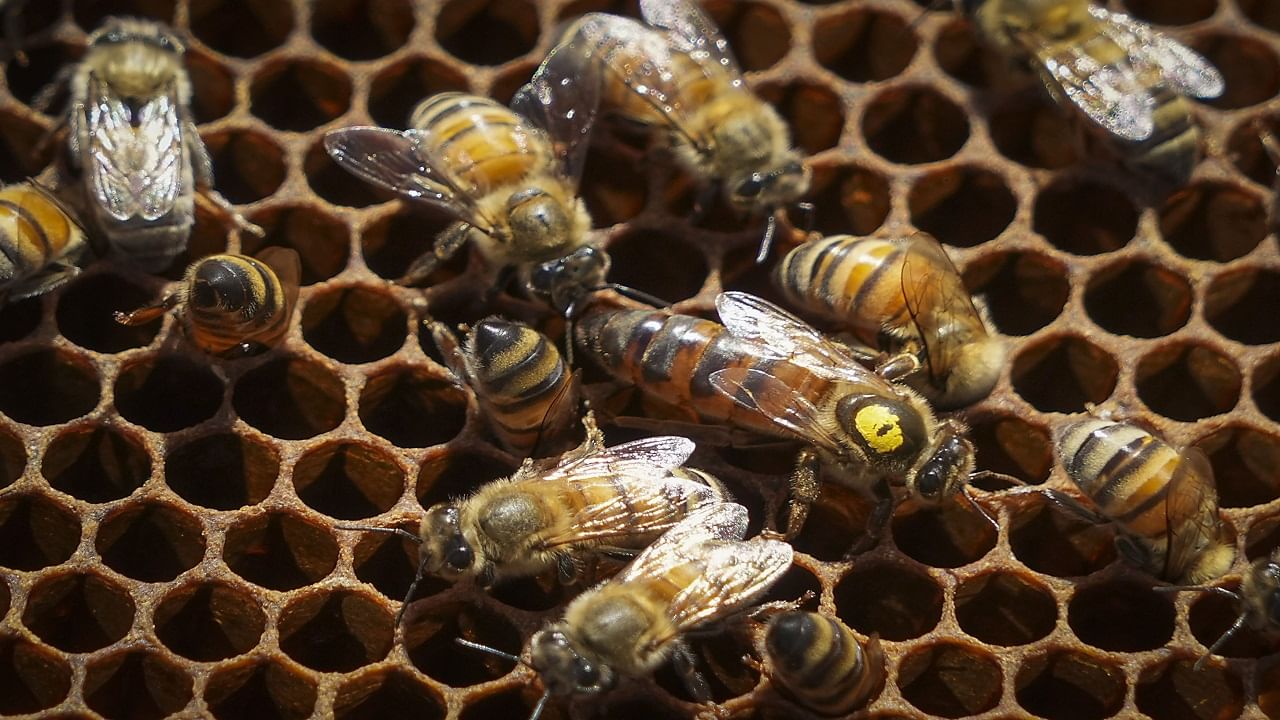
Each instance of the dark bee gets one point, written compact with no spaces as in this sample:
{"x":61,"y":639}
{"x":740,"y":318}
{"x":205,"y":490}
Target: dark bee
{"x":231,"y":305}
{"x":1258,"y":601}
{"x":820,"y":662}
{"x":528,"y":395}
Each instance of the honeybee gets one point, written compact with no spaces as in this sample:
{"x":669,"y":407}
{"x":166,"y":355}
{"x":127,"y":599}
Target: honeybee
{"x":594,"y":501}
{"x":1126,"y":77}
{"x":1163,"y":500}
{"x":698,"y":573}
{"x":232,"y":305}
{"x":1258,"y":601}
{"x":527,"y":393}
{"x":40,"y":241}
{"x":681,"y":77}
{"x":509,"y":177}
{"x":766,"y":371}
{"x":133,"y":139}
{"x":821,"y":663}
{"x":903,"y":297}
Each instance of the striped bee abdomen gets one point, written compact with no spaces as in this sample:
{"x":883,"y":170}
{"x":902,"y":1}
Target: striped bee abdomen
{"x":232,"y":300}
{"x":821,"y":663}
{"x":854,"y":281}
{"x":480,"y":140}
{"x":522,"y":383}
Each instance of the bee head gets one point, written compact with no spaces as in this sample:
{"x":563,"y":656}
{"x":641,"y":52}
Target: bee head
{"x":217,"y":284}
{"x":538,"y":219}
{"x":770,"y":187}
{"x":561,"y":280}
{"x":445,"y":550}
{"x":563,"y":669}
{"x":121,"y":30}
{"x":888,"y":431}
{"x":945,"y":471}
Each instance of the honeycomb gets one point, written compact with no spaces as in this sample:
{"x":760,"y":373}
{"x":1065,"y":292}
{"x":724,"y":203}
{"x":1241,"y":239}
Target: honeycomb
{"x":167,"y":523}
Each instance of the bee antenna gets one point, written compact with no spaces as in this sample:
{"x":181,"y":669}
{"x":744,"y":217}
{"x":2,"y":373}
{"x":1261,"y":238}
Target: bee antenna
{"x":413,"y":587}
{"x":389,"y":531}
{"x":964,"y":492}
{"x":490,"y":650}
{"x":992,"y":474}
{"x":1222,"y":639}
{"x":634,"y":294}
{"x":542,"y":703}
{"x":935,"y":5}
{"x":766,"y":242}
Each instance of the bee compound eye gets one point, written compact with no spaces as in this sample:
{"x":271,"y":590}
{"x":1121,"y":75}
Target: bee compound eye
{"x":459,"y":557}
{"x":586,"y":675}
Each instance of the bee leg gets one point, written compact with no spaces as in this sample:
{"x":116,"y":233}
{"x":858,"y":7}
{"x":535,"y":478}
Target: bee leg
{"x":54,"y":276}
{"x":148,"y":313}
{"x":898,"y":367}
{"x":447,"y":243}
{"x":881,"y":514}
{"x":213,"y":200}
{"x":805,"y":488}
{"x":44,"y":98}
{"x":450,"y":352}
{"x":685,"y":664}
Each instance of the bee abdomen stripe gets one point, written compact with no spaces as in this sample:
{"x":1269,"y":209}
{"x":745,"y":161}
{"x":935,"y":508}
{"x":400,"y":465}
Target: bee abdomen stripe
{"x":1123,"y":465}
{"x":25,"y":218}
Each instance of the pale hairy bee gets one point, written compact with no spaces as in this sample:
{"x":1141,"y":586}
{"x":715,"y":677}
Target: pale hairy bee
{"x":821,"y":663}
{"x":508,"y":176}
{"x":902,"y":297}
{"x":232,"y":305}
{"x":698,"y":573}
{"x":1258,"y":600}
{"x":766,"y":371}
{"x":527,"y":393}
{"x":1124,"y":76}
{"x":133,"y":139}
{"x":593,"y":501}
{"x":40,"y":241}
{"x":1162,"y":499}
{"x":680,"y":76}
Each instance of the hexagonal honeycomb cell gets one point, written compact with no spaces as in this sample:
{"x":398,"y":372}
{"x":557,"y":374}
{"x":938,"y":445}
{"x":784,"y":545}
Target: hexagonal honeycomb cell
{"x":169,"y":540}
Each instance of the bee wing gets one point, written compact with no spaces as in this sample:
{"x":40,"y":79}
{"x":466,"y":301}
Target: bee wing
{"x":1111,"y":95}
{"x":762,"y":393}
{"x":1181,"y":66}
{"x":398,"y":161}
{"x":679,"y":545}
{"x":648,"y":458}
{"x":636,"y":505}
{"x":735,"y":573}
{"x":933,"y":290}
{"x":285,"y":264}
{"x":136,"y":165}
{"x":783,"y":335}
{"x":692,"y":32}
{"x":1191,"y":510}
{"x":563,"y":98}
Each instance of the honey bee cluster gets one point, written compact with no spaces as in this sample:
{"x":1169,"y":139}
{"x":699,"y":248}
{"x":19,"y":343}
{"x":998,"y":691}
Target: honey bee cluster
{"x":759,"y":359}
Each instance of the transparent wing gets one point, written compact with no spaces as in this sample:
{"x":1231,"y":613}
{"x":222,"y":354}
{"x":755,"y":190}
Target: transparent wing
{"x":647,"y":458}
{"x":1191,"y":511}
{"x":786,"y":336}
{"x":1112,"y":95}
{"x":643,"y":60}
{"x":285,"y":264}
{"x":692,"y":32}
{"x":136,"y":157}
{"x":736,"y":573}
{"x":761,"y":393}
{"x":679,"y":545}
{"x":398,"y":161}
{"x":563,"y":98}
{"x":934,"y":292}
{"x":1181,"y":66}
{"x":635,"y":506}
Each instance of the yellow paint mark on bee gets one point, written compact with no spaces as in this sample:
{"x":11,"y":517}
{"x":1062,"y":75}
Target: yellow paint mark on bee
{"x":880,"y":427}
